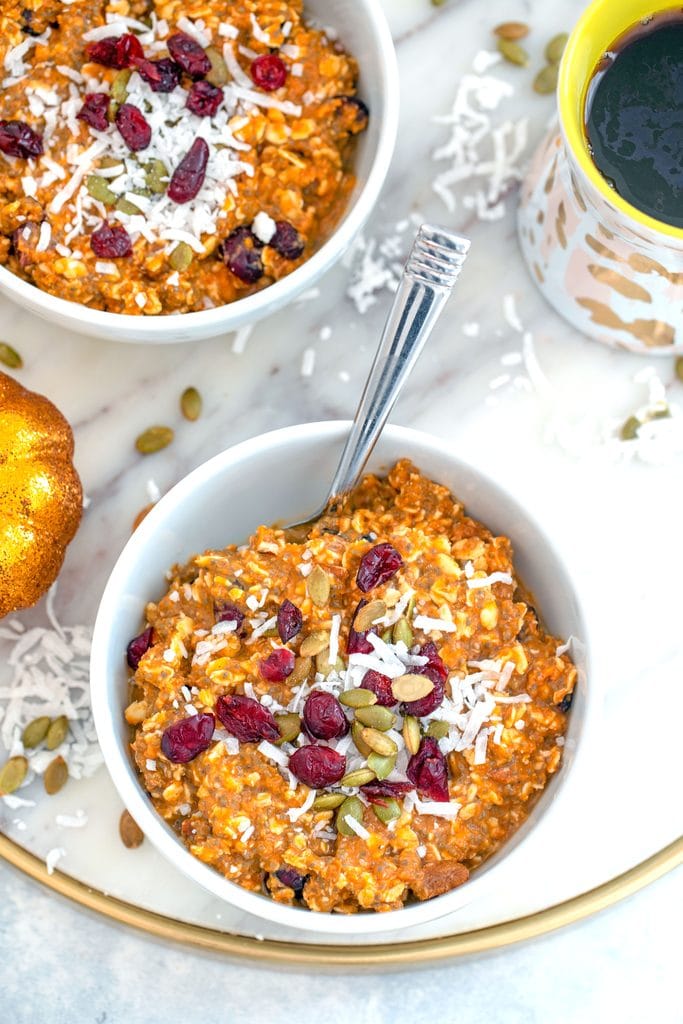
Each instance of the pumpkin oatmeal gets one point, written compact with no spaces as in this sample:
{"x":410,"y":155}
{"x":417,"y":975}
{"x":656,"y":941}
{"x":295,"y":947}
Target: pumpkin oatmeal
{"x":356,"y":718}
{"x":159,"y":156}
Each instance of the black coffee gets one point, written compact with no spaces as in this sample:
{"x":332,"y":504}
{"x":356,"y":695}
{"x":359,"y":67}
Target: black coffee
{"x":634,"y":118}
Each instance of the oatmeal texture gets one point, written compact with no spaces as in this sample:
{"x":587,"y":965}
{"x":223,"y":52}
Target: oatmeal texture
{"x":174,"y":180}
{"x":460,"y":773}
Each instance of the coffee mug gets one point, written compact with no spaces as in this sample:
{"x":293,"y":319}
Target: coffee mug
{"x":613,"y":271}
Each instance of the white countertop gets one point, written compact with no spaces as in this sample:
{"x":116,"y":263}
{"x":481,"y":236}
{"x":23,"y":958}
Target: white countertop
{"x":613,"y":518}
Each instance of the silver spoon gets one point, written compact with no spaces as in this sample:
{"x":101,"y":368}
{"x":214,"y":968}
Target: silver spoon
{"x":432,"y":268}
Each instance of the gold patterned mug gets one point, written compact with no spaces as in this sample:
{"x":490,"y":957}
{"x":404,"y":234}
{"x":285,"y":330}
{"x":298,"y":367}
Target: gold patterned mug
{"x":610,"y":269}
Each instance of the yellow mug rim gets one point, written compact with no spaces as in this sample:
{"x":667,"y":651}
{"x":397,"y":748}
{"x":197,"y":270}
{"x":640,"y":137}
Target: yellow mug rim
{"x":581,"y":40}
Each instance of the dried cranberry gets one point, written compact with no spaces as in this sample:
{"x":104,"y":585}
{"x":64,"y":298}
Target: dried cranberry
{"x":161,"y":75}
{"x":438,"y":673}
{"x":17,"y":139}
{"x":380,"y":686}
{"x":379,"y":792}
{"x":358,"y":642}
{"x":111,"y":242}
{"x":287,"y":240}
{"x":278,"y":665}
{"x":230,"y":613}
{"x":135,"y":130}
{"x":183,"y":740}
{"x":269,"y":72}
{"x":188,"y":54}
{"x":428,"y":772}
{"x":435,"y":668}
{"x":377,"y":566}
{"x":316,"y":766}
{"x":204,"y":99}
{"x":119,"y":53}
{"x":246,"y":719}
{"x":94,"y":110}
{"x":324,"y":716}
{"x":242,"y":255}
{"x":138,"y":645}
{"x":292,"y":879}
{"x":289,"y":621}
{"x":189,"y":175}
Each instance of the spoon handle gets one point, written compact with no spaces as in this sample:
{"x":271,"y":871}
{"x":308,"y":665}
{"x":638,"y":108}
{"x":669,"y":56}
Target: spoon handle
{"x":429,"y":275}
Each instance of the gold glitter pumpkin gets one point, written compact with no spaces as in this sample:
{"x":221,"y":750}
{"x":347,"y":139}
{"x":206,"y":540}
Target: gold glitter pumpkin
{"x":41,"y":499}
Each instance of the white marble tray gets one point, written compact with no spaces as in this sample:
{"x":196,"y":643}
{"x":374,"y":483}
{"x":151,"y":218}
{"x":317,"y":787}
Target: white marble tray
{"x":614,"y":519}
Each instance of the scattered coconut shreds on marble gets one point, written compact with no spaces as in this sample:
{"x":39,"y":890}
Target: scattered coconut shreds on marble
{"x":49,"y":674}
{"x":52,"y":857}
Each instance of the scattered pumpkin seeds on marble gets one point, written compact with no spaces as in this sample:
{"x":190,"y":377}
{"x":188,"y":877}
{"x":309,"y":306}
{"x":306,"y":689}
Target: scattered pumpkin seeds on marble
{"x":56,"y":775}
{"x":191,"y":404}
{"x":545,"y":81}
{"x":555,"y":48}
{"x":10,"y":357}
{"x":35,"y":732}
{"x":153,"y":440}
{"x":511,"y":30}
{"x":12,"y":774}
{"x":678,"y":368}
{"x":513,"y":53}
{"x":57,"y":732}
{"x":630,"y":428}
{"x":130,"y":832}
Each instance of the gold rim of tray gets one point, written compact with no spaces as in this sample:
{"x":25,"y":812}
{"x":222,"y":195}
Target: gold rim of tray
{"x":419,"y":951}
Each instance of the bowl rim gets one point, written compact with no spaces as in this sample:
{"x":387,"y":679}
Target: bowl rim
{"x":231,"y":316}
{"x":123,"y":774}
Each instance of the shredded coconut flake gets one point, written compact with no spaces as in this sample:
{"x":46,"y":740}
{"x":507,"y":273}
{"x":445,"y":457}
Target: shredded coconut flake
{"x":476,"y":582}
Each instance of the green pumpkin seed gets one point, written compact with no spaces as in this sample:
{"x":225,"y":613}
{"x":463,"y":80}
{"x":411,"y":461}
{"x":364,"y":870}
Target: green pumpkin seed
{"x":403,"y":632}
{"x":156,"y":176}
{"x":124,"y":205}
{"x":662,"y":412}
{"x":511,"y":30}
{"x":314,"y":643}
{"x":112,"y":111}
{"x":382,"y":766}
{"x":357,"y":736}
{"x":318,"y":587}
{"x":629,"y":430}
{"x":55,"y":776}
{"x":387,"y":635}
{"x":130,"y":832}
{"x":328,"y":801}
{"x":358,"y":698}
{"x":323,"y":665}
{"x":513,"y":53}
{"x":300,"y":672}
{"x":181,"y":257}
{"x":545,"y":81}
{"x":112,"y":161}
{"x":390,"y":810}
{"x":555,"y":48}
{"x":13,"y":774}
{"x":438,"y":730}
{"x":367,"y":615}
{"x":411,"y":687}
{"x":191,"y":404}
{"x":289,"y":725}
{"x":35,"y":732}
{"x":10,"y":357}
{"x":411,"y":734}
{"x":153,"y":440}
{"x":351,"y":808}
{"x":57,"y":732}
{"x":119,"y":87}
{"x":378,"y":742}
{"x":376,"y":717}
{"x":678,"y":368}
{"x":99,"y":189}
{"x":358,"y":777}
{"x":218,"y":75}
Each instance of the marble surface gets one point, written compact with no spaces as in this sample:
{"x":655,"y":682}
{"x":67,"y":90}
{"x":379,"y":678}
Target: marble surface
{"x":546,"y":436}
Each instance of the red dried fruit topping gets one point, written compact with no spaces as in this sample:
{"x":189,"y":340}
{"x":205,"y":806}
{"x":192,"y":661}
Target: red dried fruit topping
{"x":289,"y":621}
{"x":428,"y":772}
{"x":438,"y":673}
{"x":204,"y":99}
{"x":287,"y":240}
{"x":111,"y":242}
{"x":138,"y":645}
{"x":377,"y":566}
{"x":242,"y":255}
{"x":435,"y":668}
{"x":380,"y":686}
{"x":94,"y":110}
{"x":324,"y":716}
{"x":161,"y":75}
{"x":122,"y":52}
{"x":246,"y":719}
{"x":189,"y":175}
{"x":268,"y":72}
{"x":278,"y":665}
{"x":316,"y":766}
{"x":184,"y":740}
{"x":292,"y":879}
{"x":358,"y":642}
{"x":18,"y":139}
{"x":135,"y":130}
{"x":230,"y":613}
{"x":379,"y":792}
{"x":188,"y":54}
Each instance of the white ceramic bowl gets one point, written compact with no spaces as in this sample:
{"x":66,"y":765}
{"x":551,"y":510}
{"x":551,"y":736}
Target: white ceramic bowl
{"x":364,"y":32}
{"x":281,"y":476}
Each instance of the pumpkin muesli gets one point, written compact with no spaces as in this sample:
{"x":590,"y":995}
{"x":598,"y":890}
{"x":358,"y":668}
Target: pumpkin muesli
{"x":353,"y":719}
{"x":159,"y":156}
